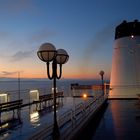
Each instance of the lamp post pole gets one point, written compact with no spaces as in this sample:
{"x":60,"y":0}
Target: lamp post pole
{"x":48,"y":53}
{"x":56,"y":134}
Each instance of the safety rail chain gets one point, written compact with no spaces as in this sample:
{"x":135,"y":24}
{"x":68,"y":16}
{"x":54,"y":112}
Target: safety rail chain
{"x":72,"y":120}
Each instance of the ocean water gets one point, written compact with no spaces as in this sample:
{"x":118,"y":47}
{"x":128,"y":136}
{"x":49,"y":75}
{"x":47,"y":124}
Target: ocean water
{"x":16,"y":91}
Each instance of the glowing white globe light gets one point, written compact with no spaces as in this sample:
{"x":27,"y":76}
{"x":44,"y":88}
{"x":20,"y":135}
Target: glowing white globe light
{"x":47,"y":52}
{"x":62,"y":56}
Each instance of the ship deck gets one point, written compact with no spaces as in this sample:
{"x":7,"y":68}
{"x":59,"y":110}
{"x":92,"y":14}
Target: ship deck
{"x":120,"y":121}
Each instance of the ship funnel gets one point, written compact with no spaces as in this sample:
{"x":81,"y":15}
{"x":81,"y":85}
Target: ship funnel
{"x":125,"y":72}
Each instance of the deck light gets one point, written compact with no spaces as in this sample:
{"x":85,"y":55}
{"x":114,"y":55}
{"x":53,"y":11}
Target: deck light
{"x":84,"y":95}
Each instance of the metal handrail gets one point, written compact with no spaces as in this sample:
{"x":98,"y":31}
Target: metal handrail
{"x":42,"y":134}
{"x":64,"y":118}
{"x":67,"y":134}
{"x":73,"y":119}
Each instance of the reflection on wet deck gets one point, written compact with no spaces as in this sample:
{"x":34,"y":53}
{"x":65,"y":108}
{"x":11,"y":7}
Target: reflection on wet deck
{"x":120,"y":121}
{"x":33,"y":119}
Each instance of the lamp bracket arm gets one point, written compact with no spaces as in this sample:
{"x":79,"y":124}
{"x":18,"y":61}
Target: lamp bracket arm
{"x":60,"y":73}
{"x":48,"y":71}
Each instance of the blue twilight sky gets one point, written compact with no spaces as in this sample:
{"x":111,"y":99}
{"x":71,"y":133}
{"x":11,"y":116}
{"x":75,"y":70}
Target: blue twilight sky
{"x":85,"y":28}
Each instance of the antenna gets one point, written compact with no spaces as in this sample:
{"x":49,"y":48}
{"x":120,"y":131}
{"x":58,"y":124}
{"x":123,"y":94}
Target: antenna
{"x":19,"y":85}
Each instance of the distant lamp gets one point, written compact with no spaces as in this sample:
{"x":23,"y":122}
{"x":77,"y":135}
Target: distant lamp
{"x":48,"y":53}
{"x":102,"y":78}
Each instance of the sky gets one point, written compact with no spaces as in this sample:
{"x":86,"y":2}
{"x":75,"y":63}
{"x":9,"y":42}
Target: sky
{"x":84,"y":28}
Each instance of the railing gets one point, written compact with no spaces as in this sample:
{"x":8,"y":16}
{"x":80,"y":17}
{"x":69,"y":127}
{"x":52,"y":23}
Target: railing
{"x":43,"y":134}
{"x":80,"y":117}
{"x":72,"y":120}
{"x":65,"y":118}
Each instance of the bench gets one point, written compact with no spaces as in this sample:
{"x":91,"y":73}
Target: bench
{"x":45,"y":97}
{"x":59,"y":94}
{"x":48,"y":97}
{"x":8,"y":106}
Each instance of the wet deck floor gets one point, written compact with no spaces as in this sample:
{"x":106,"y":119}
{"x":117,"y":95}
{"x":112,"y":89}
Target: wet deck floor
{"x":120,"y":121}
{"x":33,"y":121}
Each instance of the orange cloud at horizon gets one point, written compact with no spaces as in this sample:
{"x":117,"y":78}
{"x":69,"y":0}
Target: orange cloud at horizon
{"x":36,"y":69}
{"x":66,"y":75}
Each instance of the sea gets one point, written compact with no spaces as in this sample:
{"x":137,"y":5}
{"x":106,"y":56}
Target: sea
{"x":20,"y":89}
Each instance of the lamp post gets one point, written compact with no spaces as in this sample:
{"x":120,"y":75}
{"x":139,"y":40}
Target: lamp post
{"x":102,"y":78}
{"x":48,"y":53}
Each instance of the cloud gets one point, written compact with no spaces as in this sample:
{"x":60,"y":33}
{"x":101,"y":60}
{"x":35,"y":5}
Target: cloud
{"x":7,"y":73}
{"x":18,"y":56}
